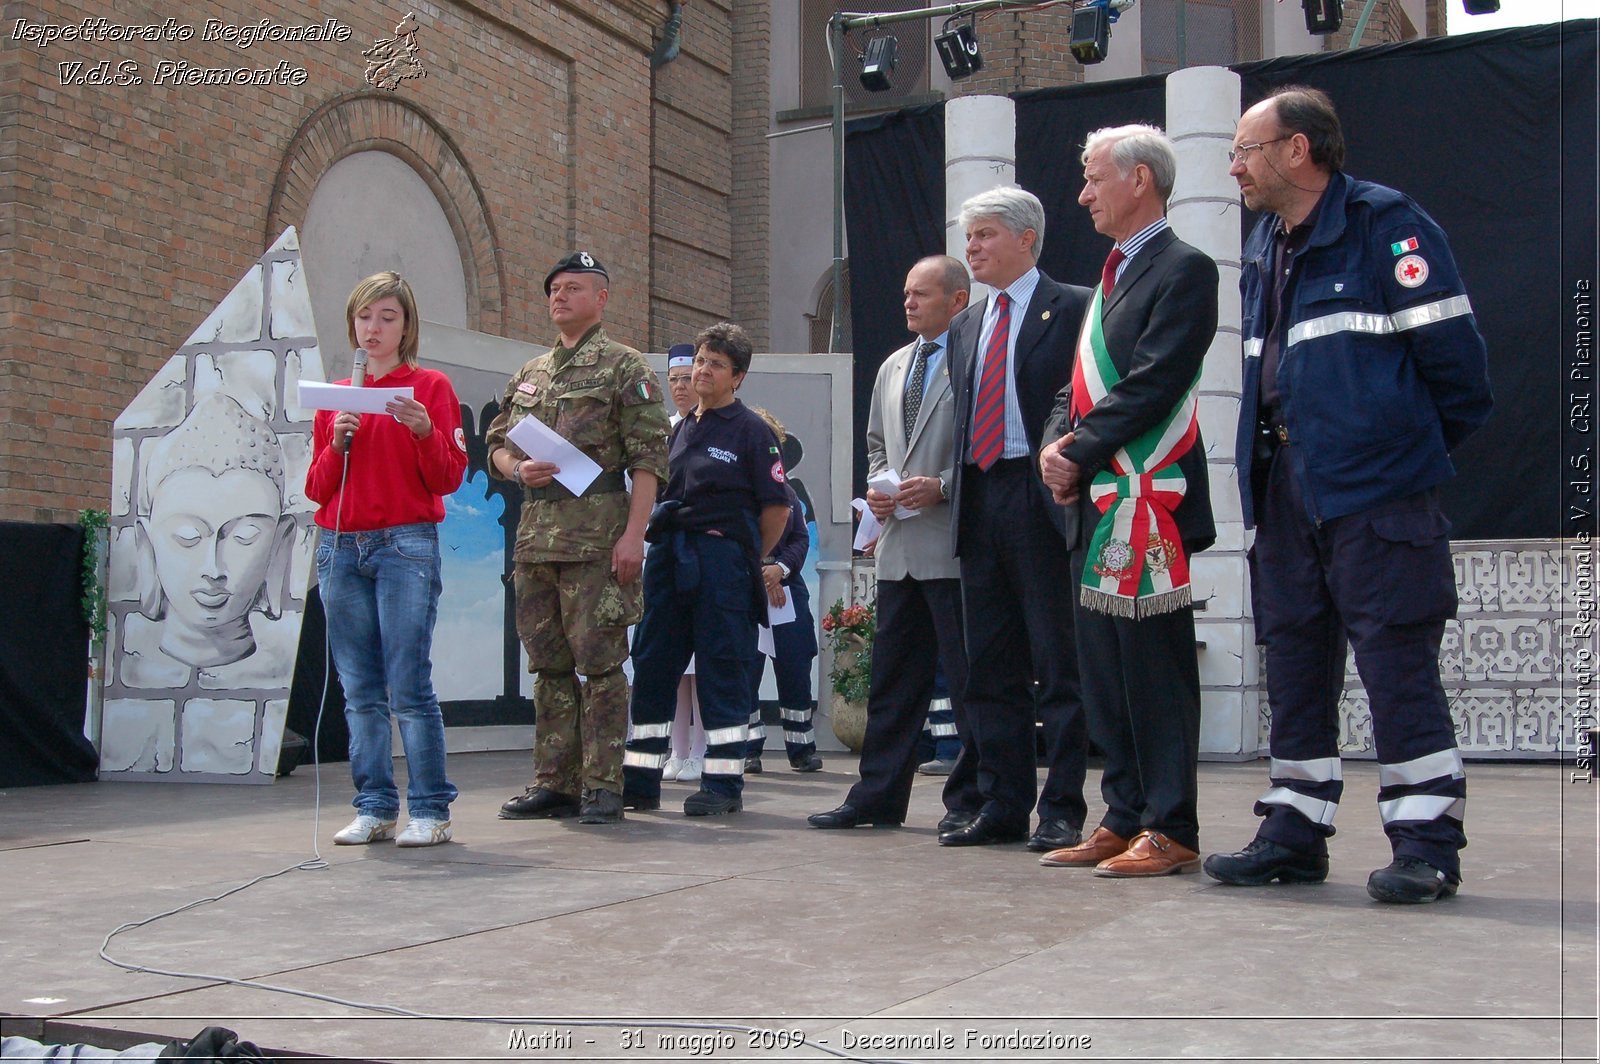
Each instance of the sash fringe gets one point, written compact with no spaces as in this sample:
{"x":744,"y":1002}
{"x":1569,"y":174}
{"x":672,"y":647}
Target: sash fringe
{"x":1135,"y":609}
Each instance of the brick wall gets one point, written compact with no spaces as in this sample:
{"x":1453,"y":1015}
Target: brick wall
{"x":127,"y":211}
{"x":1028,"y":50}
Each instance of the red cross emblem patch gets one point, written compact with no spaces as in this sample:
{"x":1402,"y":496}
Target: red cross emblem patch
{"x":1411,"y":271}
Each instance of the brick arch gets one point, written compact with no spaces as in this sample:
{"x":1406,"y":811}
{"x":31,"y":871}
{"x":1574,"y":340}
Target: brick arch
{"x":373,"y":121}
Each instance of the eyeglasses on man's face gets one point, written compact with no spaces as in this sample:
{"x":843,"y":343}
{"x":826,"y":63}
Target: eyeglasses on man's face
{"x":1237,"y":154}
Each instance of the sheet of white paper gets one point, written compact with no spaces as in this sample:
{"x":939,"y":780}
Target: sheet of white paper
{"x":314,"y":395}
{"x":777,"y":615}
{"x":888,"y":483}
{"x":870,"y":527}
{"x":764,"y":642}
{"x":543,"y":443}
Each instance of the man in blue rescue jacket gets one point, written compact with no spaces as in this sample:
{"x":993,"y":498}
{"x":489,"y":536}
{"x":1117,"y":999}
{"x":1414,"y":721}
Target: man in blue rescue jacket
{"x":1363,"y":368}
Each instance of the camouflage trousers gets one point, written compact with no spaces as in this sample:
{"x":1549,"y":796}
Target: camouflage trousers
{"x":573,"y":620}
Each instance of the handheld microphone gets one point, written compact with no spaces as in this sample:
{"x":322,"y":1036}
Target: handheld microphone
{"x":358,"y":378}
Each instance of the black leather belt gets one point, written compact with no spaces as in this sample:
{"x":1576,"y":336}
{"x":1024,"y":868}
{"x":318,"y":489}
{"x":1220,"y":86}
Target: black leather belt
{"x":602,"y":484}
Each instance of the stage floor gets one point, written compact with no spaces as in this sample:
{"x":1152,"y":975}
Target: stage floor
{"x":616,"y":942}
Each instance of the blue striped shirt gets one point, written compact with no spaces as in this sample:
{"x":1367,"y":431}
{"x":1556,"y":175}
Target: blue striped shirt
{"x":1131,"y":246}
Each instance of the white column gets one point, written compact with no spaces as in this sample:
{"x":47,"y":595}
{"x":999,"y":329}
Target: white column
{"x":1202,"y":110}
{"x":980,"y":153}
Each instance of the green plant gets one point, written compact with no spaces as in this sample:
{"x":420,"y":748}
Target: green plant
{"x":849,"y":631}
{"x":95,"y":524}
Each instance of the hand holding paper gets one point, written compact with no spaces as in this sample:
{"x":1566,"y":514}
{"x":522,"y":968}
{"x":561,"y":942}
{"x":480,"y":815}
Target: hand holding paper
{"x":540,"y":441}
{"x":888,"y":482}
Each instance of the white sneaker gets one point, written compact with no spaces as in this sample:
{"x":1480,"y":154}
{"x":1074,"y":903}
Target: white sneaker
{"x":364,"y":829}
{"x":422,"y":831}
{"x":691,"y":769}
{"x":673,"y":767}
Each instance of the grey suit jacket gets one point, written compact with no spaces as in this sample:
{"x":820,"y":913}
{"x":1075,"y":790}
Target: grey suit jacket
{"x":913,"y":546}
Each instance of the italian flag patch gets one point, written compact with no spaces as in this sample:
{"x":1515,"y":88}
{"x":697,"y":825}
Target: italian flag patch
{"x":645,"y":391}
{"x":1408,"y":244}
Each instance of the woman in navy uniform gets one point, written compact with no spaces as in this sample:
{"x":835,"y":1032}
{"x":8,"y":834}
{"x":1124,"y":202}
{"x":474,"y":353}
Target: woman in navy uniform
{"x":723,"y":510}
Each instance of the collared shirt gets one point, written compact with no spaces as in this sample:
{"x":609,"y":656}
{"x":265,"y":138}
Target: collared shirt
{"x":1135,"y":243}
{"x":1020,"y":293}
{"x":1285,"y":246}
{"x":935,"y":362}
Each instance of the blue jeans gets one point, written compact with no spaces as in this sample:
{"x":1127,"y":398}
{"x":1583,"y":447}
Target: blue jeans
{"x":380,"y":591}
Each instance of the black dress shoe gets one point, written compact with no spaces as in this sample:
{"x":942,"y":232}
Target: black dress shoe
{"x":709,"y":803}
{"x":1054,"y":834}
{"x":806,"y":763}
{"x":983,"y":831}
{"x":955,"y":819}
{"x":539,"y":803}
{"x":600,"y":806}
{"x":640,"y":802}
{"x":848,"y":816}
{"x":1263,"y":861}
{"x":1410,"y":881}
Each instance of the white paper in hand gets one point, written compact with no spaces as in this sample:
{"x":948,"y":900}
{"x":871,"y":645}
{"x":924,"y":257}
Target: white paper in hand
{"x":888,"y":483}
{"x":314,"y":395}
{"x":542,"y":443}
{"x":870,"y":527}
{"x":777,"y":615}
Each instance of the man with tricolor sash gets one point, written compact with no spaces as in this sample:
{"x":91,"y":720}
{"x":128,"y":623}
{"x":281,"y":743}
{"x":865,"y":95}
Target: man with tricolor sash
{"x":1126,"y":451}
{"x":1363,"y":369}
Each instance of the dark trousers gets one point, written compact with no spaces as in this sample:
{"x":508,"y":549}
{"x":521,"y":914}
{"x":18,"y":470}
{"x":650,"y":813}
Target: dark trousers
{"x":697,"y":602}
{"x":795,"y":644}
{"x":919,"y":627}
{"x":1141,"y":696}
{"x":1019,"y":600}
{"x":1382,"y":578}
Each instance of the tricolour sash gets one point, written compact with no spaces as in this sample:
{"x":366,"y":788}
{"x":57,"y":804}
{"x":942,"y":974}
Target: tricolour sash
{"x":1136,"y":566}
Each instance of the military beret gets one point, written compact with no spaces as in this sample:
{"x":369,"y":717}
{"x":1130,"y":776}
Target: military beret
{"x":577,"y":262}
{"x":680,"y":355}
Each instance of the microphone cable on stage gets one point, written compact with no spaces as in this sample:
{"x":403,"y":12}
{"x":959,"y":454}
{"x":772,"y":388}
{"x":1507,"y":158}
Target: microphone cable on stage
{"x":316,"y":862}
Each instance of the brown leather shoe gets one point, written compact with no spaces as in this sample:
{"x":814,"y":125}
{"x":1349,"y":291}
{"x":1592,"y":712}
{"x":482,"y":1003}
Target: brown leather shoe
{"x":1091,"y":851}
{"x":1151,"y":854}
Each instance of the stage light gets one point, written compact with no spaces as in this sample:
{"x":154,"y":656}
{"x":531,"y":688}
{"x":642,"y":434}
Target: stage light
{"x":958,"y":49}
{"x":1323,"y":16}
{"x":1091,"y":33}
{"x":1480,"y":7}
{"x":877,"y":63}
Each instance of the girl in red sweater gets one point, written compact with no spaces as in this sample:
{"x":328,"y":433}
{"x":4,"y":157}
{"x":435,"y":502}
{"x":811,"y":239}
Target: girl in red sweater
{"x":380,"y":480}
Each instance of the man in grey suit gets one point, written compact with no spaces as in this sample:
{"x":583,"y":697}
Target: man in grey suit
{"x":910,"y":429}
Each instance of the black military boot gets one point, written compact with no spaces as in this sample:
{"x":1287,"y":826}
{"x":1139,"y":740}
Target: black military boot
{"x":539,"y":803}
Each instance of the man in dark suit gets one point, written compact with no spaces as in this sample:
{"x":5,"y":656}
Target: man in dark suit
{"x":1121,"y":433}
{"x":1010,"y":355}
{"x":909,"y":430}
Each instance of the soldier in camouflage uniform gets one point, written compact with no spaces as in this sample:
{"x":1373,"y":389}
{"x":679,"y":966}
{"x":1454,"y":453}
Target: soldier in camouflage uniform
{"x":578,"y":559}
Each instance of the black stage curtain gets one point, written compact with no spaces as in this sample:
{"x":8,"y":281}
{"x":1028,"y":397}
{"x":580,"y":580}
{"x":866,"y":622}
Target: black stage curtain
{"x":1052,"y":125}
{"x":894,"y":214}
{"x":1493,"y":134}
{"x":44,"y":657}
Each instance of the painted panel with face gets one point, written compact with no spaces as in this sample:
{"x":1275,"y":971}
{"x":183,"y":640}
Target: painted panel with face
{"x":212,"y":536}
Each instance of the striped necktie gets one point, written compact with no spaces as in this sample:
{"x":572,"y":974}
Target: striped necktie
{"x":989,"y":422}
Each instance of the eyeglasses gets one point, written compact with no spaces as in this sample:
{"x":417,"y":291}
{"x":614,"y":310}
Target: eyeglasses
{"x":712,"y":363}
{"x":1236,"y":154}
{"x":679,"y":378}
